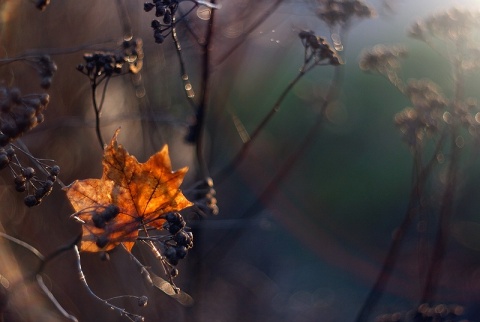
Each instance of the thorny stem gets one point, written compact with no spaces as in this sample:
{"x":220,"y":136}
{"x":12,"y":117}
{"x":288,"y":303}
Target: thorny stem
{"x":413,"y":208}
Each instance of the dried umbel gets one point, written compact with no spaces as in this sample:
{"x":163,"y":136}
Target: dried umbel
{"x":19,"y":114}
{"x":203,"y":195}
{"x":384,"y":60}
{"x":317,"y":48}
{"x":426,"y":115}
{"x":455,"y":24}
{"x":341,"y":12}
{"x":128,"y":58}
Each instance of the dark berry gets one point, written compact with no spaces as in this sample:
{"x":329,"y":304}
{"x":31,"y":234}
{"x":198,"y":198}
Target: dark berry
{"x":148,"y":6}
{"x":173,"y":229}
{"x":31,"y":201}
{"x":28,"y":172}
{"x":104,"y":256}
{"x":110,"y":212}
{"x":10,"y":152}
{"x":156,"y":24}
{"x":170,"y":253}
{"x":21,"y":187}
{"x":159,"y":38}
{"x":102,"y":241}
{"x":167,"y":18}
{"x":181,"y":251}
{"x":4,"y":160}
{"x":142,"y":301}
{"x":55,"y":170}
{"x":40,"y":193}
{"x":174,"y":218}
{"x":183,"y":238}
{"x":98,"y":221}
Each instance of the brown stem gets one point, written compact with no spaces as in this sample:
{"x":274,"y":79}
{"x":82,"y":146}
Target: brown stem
{"x":414,"y":206}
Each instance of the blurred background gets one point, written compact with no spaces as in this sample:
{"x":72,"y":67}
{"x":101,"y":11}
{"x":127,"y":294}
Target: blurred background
{"x":308,"y":250}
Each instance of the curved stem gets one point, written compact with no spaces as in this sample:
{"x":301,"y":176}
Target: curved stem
{"x":198,"y":127}
{"x":227,"y":170}
{"x":446,"y":210}
{"x":413,"y":208}
{"x":97,"y":115}
{"x":285,"y":169}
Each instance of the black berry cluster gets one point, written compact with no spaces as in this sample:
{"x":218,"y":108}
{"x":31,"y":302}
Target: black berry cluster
{"x":103,"y":215}
{"x":19,"y":114}
{"x":25,"y":178}
{"x":128,"y":58}
{"x":181,"y":241}
{"x":164,"y":9}
{"x":318,"y":48}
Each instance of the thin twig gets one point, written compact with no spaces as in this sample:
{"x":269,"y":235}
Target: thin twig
{"x":230,"y":167}
{"x":414,"y":204}
{"x":52,"y":299}
{"x":272,"y":187}
{"x":204,"y":97}
{"x":183,"y":70}
{"x":121,"y":311}
{"x":25,"y":245}
{"x":97,"y":114}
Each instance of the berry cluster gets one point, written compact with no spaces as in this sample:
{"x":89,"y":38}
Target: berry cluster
{"x":165,"y":9}
{"x":103,"y":215}
{"x":107,"y":63}
{"x":26,"y":178}
{"x":19,"y":114}
{"x":181,"y":241}
{"x":318,"y":49}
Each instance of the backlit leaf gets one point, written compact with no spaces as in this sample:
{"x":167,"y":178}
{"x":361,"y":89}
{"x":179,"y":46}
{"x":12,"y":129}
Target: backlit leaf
{"x":130,"y":196}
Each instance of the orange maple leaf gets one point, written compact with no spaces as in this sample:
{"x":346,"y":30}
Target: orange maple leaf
{"x":129,"y":196}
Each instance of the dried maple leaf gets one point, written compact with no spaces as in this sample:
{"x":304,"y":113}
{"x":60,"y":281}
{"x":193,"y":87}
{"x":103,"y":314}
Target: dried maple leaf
{"x":129,"y":196}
